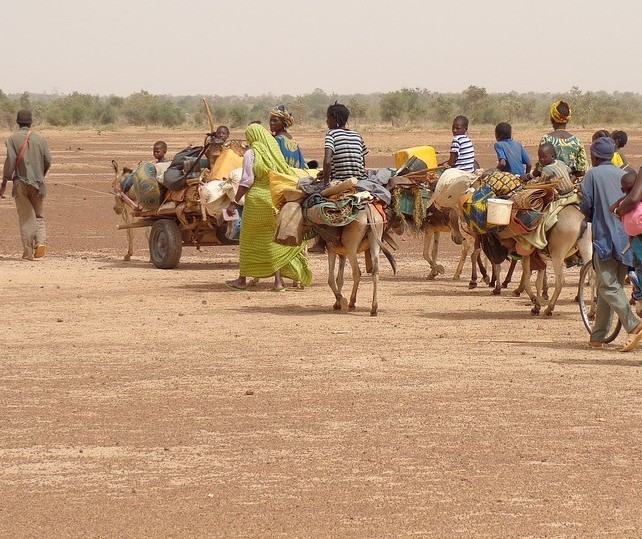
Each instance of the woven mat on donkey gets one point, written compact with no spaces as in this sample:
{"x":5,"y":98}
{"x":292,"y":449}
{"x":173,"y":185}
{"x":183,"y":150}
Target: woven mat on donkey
{"x":474,"y":208}
{"x":502,"y":183}
{"x":333,"y":212}
{"x":533,"y":199}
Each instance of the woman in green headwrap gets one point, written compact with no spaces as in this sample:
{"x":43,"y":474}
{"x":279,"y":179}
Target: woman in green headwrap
{"x":568,"y":148}
{"x":259,"y":256}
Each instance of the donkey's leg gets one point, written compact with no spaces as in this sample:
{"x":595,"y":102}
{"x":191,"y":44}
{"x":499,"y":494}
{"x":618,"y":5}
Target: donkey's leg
{"x":376,"y":231}
{"x":430,"y":250}
{"x":465,"y":247}
{"x":558,"y":268}
{"x":526,"y":272}
{"x":351,"y":255}
{"x":545,"y":284}
{"x":496,"y":281}
{"x":474,"y":260}
{"x":509,"y":275}
{"x":130,"y":234}
{"x":332,"y":280}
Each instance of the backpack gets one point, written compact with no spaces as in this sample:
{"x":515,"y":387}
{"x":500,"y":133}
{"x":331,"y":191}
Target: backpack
{"x":174,"y":177}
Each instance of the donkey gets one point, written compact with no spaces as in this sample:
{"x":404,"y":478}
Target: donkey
{"x":447,"y":220}
{"x":123,"y":209}
{"x":570,"y":234}
{"x":364,"y":234}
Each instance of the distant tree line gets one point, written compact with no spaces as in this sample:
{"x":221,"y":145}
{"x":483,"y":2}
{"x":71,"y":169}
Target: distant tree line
{"x":408,"y":107}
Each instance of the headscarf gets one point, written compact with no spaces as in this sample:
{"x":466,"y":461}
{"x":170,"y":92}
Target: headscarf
{"x":558,"y":117}
{"x":282,"y":113}
{"x":267,"y":155}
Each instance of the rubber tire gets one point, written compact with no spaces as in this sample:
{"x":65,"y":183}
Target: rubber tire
{"x":583,"y":293}
{"x":165,"y":244}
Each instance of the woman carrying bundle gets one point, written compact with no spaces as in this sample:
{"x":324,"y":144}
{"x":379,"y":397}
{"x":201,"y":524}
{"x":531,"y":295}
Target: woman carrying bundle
{"x":259,"y":256}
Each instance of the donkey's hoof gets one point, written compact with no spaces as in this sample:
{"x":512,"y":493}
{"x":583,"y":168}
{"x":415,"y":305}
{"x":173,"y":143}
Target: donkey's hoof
{"x":496,"y":291}
{"x":352,"y":307}
{"x":373,"y":313}
{"x":504,"y":285}
{"x":440,"y":269}
{"x":548,"y":312}
{"x":487,"y":279}
{"x":535,"y":311}
{"x":472,"y":284}
{"x":431,"y":276}
{"x":127,"y":258}
{"x":337,"y":306}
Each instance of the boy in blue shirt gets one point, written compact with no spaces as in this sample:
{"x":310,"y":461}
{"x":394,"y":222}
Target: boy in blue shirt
{"x":511,"y":155}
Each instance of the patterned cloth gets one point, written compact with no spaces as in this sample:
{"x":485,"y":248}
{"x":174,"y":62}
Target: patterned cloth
{"x":291,"y":152}
{"x":146,"y":186}
{"x":475,"y":209}
{"x":568,"y":150}
{"x":259,"y":256}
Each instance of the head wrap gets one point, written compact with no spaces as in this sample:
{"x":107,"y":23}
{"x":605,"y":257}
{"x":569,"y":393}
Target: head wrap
{"x":24,"y":117}
{"x":558,"y":117}
{"x":282,"y":113}
{"x":603,"y":148}
{"x":267,"y":155}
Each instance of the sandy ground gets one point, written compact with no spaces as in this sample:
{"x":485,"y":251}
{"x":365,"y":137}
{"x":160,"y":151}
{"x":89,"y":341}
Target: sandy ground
{"x":141,"y":402}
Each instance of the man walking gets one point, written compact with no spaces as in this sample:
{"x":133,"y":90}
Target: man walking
{"x":28,"y":160}
{"x":601,"y":189}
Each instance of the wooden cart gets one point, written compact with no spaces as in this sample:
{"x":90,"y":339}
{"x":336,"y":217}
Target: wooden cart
{"x":171,"y":229}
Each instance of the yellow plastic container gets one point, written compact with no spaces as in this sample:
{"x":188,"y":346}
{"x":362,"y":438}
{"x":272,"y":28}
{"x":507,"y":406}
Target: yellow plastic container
{"x":426,"y":153}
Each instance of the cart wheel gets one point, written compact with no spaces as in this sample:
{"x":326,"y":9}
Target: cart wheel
{"x":587,"y":295}
{"x":165,"y":244}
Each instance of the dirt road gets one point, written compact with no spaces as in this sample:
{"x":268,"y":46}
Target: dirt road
{"x":139,"y":402}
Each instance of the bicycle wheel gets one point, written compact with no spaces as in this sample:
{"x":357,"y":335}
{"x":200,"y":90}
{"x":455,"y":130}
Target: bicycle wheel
{"x":587,"y":294}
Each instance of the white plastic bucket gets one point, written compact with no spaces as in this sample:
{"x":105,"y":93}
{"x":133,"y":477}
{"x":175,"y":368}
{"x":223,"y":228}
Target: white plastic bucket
{"x":499,"y":211}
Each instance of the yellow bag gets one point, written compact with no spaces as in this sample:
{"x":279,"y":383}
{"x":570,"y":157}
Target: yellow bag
{"x":279,"y":183}
{"x":225,"y":163}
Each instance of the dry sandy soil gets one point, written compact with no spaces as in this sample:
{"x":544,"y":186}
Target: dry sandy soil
{"x":142,"y":402}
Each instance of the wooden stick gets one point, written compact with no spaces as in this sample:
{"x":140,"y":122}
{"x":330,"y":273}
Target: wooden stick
{"x":209,"y":116}
{"x":137,"y":224}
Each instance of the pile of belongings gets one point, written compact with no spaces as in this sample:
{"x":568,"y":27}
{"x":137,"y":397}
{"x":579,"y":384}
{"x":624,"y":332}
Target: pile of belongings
{"x":534,"y":211}
{"x":307,"y":203}
{"x":159,"y":186}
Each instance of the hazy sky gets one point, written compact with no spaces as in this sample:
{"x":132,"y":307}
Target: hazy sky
{"x":292,"y":47}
